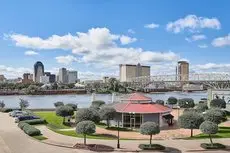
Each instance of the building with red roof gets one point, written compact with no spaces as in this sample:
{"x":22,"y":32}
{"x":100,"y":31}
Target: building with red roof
{"x":138,"y":108}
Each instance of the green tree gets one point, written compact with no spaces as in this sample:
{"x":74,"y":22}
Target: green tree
{"x":74,"y":106}
{"x":85,"y":114}
{"x":64,"y":111}
{"x":214,"y":115}
{"x":23,"y":104}
{"x":209,"y":128}
{"x":58,"y":104}
{"x":85,"y":128}
{"x":149,"y":128}
{"x":202,"y":107}
{"x":218,"y":103}
{"x":161,"y":102}
{"x":186,"y":103}
{"x":107,"y":113}
{"x":190,"y":120}
{"x":97,"y":104}
{"x":32,"y":89}
{"x":172,"y":101}
{"x":114,"y":84}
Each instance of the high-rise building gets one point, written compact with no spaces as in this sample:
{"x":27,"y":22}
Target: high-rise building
{"x":128,"y":71}
{"x":44,"y":79}
{"x":183,"y":71}
{"x":27,"y":78}
{"x":38,"y":71}
{"x":63,"y":76}
{"x":72,"y":76}
{"x":52,"y":77}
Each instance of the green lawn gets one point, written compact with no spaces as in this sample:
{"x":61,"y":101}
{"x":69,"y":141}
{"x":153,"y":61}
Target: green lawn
{"x":54,"y":121}
{"x":40,"y":137}
{"x":223,"y":132}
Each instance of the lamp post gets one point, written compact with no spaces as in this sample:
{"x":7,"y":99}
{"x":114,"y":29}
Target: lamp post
{"x":118,"y":134}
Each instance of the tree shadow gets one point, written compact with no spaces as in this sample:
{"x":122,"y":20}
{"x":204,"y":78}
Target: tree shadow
{"x":94,"y":147}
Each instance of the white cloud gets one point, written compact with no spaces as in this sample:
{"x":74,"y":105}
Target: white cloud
{"x":195,"y":38}
{"x":152,"y":26}
{"x":203,"y":46}
{"x":131,"y":31}
{"x":193,"y":23}
{"x":31,"y":53}
{"x":127,"y":40}
{"x":11,"y":72}
{"x":98,"y":45}
{"x":213,"y":67}
{"x":66,"y":59}
{"x":221,"y":41}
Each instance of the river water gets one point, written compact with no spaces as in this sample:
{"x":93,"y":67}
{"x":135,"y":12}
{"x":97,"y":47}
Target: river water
{"x":84,"y":100}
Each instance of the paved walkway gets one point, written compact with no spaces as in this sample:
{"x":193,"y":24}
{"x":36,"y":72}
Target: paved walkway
{"x":13,"y":140}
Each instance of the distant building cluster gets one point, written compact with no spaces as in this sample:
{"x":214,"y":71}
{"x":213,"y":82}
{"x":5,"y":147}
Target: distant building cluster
{"x":66,"y":76}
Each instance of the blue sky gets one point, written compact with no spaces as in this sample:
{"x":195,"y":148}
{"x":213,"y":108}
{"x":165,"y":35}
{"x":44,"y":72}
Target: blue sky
{"x":93,"y":37}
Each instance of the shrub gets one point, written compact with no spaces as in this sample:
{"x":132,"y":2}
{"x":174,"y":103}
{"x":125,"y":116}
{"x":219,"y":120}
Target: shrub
{"x":107,"y":113}
{"x":97,"y":104}
{"x":151,"y":147}
{"x":212,"y":146}
{"x":29,"y":129}
{"x":35,"y":121}
{"x":87,"y":114}
{"x":190,"y":120}
{"x":6,"y":110}
{"x":218,"y":103}
{"x":22,"y":124}
{"x":85,"y":127}
{"x":58,"y":104}
{"x":209,"y":128}
{"x":74,"y":106}
{"x":161,"y":102}
{"x":186,"y":103}
{"x":149,"y":128}
{"x":214,"y":115}
{"x":64,"y":111}
{"x":202,"y":107}
{"x":172,"y":101}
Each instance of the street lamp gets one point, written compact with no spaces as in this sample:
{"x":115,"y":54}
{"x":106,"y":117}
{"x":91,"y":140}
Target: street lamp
{"x":118,"y":134}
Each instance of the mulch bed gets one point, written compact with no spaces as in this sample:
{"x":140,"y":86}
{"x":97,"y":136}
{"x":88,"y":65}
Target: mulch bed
{"x":94,"y":147}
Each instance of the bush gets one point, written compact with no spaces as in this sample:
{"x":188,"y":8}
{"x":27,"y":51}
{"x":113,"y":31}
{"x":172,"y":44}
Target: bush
{"x":214,"y":146}
{"x":190,"y":120}
{"x":74,"y":106}
{"x":214,"y":115}
{"x":218,"y":103}
{"x":29,"y":129}
{"x":202,"y":107}
{"x":186,"y":103}
{"x":58,"y":104}
{"x":85,"y":127}
{"x":161,"y":102}
{"x":97,"y":104}
{"x":87,"y":114}
{"x":6,"y":110}
{"x":172,"y":101}
{"x":151,"y":147}
{"x":35,"y":121}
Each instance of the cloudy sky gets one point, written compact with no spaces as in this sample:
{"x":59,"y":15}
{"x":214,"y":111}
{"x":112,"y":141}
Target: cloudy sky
{"x":94,"y":37}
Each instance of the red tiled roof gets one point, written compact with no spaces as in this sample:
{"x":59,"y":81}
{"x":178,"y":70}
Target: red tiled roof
{"x":143,"y":108}
{"x":138,"y":97}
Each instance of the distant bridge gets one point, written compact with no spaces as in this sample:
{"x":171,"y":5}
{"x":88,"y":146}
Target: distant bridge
{"x":209,"y":80}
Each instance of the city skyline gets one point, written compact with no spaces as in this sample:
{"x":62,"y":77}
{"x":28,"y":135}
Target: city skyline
{"x":94,"y":42}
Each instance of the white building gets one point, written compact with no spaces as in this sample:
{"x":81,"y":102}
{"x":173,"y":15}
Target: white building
{"x":63,"y":76}
{"x":44,"y":79}
{"x":72,"y":76}
{"x":128,"y":71}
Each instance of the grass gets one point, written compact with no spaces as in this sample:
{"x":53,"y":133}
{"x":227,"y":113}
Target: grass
{"x":40,"y":137}
{"x":223,"y":132}
{"x":54,"y":121}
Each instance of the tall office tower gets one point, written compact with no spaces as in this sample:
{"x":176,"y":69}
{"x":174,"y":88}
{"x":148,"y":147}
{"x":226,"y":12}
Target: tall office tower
{"x":128,"y":71}
{"x":52,"y":77}
{"x":63,"y":76}
{"x":183,"y":71}
{"x":72,"y":76}
{"x":38,"y":71}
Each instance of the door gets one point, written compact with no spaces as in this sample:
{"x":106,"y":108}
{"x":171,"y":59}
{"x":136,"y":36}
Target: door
{"x":132,"y":123}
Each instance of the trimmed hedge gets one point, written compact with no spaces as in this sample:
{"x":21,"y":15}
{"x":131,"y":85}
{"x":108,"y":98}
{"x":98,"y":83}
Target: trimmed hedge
{"x":35,"y":121}
{"x":214,"y":146}
{"x":29,"y":129}
{"x":151,"y":147}
{"x":6,"y":110}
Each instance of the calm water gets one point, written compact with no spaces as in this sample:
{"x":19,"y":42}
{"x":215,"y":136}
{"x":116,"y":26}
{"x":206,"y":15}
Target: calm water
{"x":85,"y":100}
